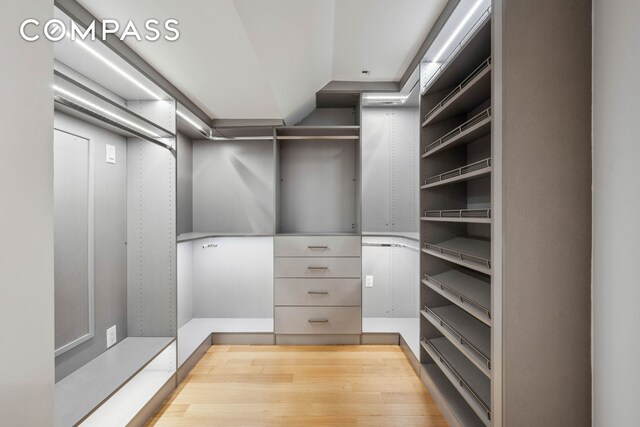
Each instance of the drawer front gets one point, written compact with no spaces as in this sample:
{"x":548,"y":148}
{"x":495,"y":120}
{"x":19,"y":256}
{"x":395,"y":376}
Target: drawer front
{"x":317,"y":246}
{"x":318,"y":320}
{"x":318,"y":267}
{"x":318,"y":292}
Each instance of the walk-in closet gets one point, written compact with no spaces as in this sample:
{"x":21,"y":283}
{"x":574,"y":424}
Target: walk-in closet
{"x":318,"y":212}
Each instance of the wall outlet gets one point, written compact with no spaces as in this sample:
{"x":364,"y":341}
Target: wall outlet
{"x":111,"y":336}
{"x":368,"y":283}
{"x":110,"y":154}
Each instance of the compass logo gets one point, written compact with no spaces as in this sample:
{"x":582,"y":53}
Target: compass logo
{"x":55,"y":30}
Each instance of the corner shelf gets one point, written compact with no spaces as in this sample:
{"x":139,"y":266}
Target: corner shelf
{"x":470,"y":93}
{"x":471,"y":130}
{"x":467,"y":292}
{"x":478,"y":216}
{"x":468,"y":252}
{"x":468,"y":334}
{"x":465,"y":173}
{"x":472,"y":385}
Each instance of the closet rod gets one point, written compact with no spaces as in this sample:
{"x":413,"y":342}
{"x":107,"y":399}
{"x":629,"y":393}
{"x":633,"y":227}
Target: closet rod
{"x":391,"y":245}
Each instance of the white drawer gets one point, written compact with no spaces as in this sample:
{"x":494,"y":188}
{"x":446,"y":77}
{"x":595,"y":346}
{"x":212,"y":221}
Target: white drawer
{"x":318,"y":267}
{"x":317,"y":246}
{"x":318,"y":320}
{"x":325,"y":292}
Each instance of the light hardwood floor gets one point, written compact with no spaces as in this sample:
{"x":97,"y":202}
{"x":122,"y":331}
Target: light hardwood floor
{"x":301,"y":386}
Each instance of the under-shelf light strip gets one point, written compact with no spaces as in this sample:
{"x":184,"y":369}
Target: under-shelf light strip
{"x":90,"y":104}
{"x":457,"y":31}
{"x":190,"y":121}
{"x":114,"y":67}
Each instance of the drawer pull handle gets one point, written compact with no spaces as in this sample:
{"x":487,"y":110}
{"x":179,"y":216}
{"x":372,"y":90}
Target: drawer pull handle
{"x":317,"y":268}
{"x":318,"y":292}
{"x":317,"y":247}
{"x":318,"y":320}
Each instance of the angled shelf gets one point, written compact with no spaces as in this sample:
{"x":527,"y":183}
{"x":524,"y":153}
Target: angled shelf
{"x":471,"y":130}
{"x":472,"y":385}
{"x":476,"y":48}
{"x":465,"y":173}
{"x":80,"y":393}
{"x":469,"y":293}
{"x":478,"y":216}
{"x":441,"y":388}
{"x":473,"y":253}
{"x":471,"y":92}
{"x":468,"y":334}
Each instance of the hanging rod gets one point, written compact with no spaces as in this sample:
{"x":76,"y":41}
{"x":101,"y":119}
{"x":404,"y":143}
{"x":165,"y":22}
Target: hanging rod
{"x":391,"y":245}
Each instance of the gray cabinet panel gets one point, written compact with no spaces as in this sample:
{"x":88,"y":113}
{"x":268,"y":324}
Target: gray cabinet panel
{"x":317,"y":267}
{"x":318,"y":182}
{"x":233,"y":186}
{"x":318,"y":292}
{"x":318,"y":320}
{"x":317,"y":246}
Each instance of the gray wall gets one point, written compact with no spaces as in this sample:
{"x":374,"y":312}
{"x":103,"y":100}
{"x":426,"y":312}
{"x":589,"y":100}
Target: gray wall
{"x":233,"y":186}
{"x":616,"y":203}
{"x":234,"y":279}
{"x":390,"y":174}
{"x":396,"y":283}
{"x":151,"y":240}
{"x":185,"y":283}
{"x":542,"y":155}
{"x":185,"y":184}
{"x":110,"y":253}
{"x":26,"y":247}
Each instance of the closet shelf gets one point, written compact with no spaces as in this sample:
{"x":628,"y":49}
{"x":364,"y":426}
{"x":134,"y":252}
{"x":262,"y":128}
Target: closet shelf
{"x":474,"y":48}
{"x":188,"y":237}
{"x":471,"y":92}
{"x":80,"y":393}
{"x":72,"y":95}
{"x":433,"y":377}
{"x":465,"y":173}
{"x":474,"y":387}
{"x":468,"y":292}
{"x":482,"y":216}
{"x":467,"y":252}
{"x":468,"y":334}
{"x":318,"y":132}
{"x":471,"y":130}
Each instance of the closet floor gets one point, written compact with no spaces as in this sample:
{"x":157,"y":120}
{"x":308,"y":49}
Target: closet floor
{"x":367,"y":385}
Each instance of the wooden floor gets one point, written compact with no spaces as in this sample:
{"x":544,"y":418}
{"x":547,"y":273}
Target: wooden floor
{"x":301,"y":386}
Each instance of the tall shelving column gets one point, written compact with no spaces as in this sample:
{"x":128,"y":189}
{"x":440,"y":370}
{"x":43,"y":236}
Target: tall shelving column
{"x":456,"y":231}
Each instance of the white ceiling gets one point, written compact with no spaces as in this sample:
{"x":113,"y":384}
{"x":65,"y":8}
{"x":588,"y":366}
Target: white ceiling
{"x":248,"y":59}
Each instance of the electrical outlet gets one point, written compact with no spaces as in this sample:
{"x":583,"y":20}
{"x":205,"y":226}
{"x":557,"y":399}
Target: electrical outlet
{"x":368,"y":283}
{"x":111,"y":336}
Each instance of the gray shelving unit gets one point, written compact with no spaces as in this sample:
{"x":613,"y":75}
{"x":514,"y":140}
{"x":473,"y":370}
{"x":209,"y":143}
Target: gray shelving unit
{"x":456,"y":231}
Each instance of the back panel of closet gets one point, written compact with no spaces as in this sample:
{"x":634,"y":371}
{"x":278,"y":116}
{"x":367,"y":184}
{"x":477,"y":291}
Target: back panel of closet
{"x":233,"y":187}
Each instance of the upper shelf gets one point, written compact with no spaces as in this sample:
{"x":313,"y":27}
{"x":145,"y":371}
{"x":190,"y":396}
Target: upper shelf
{"x":478,"y":216}
{"x":473,"y":253}
{"x":476,"y":49}
{"x":73,"y":95}
{"x":318,"y":132}
{"x":471,"y":130}
{"x":84,"y":390}
{"x":465,"y":173}
{"x":470,"y":293}
{"x":473,"y":90}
